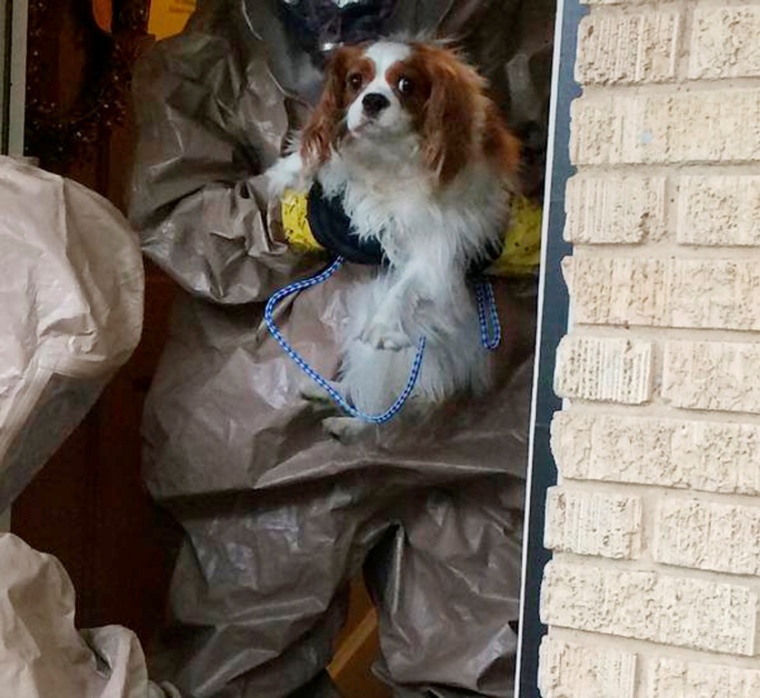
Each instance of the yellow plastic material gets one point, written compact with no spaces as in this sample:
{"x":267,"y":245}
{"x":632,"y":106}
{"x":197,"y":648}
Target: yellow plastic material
{"x":296,"y":224}
{"x":522,"y":241}
{"x":168,"y":17}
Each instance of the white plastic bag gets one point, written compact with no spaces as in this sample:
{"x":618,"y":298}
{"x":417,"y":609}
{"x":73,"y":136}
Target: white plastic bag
{"x":42,"y":655}
{"x":71,"y":310}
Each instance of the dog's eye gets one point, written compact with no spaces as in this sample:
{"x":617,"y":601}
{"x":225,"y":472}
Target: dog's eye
{"x":355,"y":81}
{"x":405,"y":86}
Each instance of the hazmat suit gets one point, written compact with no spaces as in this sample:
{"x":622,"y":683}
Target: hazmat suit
{"x":277,"y":516}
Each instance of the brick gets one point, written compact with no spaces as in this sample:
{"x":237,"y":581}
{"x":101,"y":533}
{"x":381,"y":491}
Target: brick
{"x":604,"y":369}
{"x":593,"y":523}
{"x":696,"y":613}
{"x":569,"y":670}
{"x":720,"y":376}
{"x":617,"y":210}
{"x":709,"y":456}
{"x":675,"y":678}
{"x":628,"y":48}
{"x":708,"y":536}
{"x":667,"y":127}
{"x":724,"y":42}
{"x":719,"y":210}
{"x":681,"y":293}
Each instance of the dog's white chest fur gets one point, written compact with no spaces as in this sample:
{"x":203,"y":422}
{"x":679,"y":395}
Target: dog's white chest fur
{"x":430,"y":238}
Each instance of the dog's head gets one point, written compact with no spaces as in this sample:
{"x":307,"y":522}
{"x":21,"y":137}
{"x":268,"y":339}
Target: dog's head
{"x":384,"y":92}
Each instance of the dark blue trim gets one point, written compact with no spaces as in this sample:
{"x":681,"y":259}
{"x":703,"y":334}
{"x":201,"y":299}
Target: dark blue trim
{"x":553,"y":327}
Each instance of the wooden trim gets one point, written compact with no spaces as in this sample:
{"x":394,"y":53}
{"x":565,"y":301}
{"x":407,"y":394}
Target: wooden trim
{"x":351,"y":668}
{"x":358,"y":642}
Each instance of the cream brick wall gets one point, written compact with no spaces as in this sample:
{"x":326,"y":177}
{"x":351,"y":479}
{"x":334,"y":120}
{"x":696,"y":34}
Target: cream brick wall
{"x":660,"y":606}
{"x":575,"y":671}
{"x":593,"y":523}
{"x":604,"y":209}
{"x":605,"y":369}
{"x":654,"y":588}
{"x":673,"y":678}
{"x":720,"y":211}
{"x":708,"y":536}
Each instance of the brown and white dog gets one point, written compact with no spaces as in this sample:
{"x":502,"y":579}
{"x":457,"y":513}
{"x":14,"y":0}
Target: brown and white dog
{"x":406,"y":136}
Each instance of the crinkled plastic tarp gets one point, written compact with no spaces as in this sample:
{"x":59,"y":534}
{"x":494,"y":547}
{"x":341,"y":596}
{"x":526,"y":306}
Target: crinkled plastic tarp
{"x":71,"y":312}
{"x":278,"y":517}
{"x":42,"y":655}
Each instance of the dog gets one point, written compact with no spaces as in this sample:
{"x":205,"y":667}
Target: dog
{"x":406,"y":137}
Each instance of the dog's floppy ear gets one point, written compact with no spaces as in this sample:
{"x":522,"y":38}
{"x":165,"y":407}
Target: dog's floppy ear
{"x":327,"y":121}
{"x":448,"y":127}
{"x":500,"y":145}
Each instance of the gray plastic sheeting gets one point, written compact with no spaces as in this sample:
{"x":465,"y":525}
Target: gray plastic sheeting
{"x":277,"y":516}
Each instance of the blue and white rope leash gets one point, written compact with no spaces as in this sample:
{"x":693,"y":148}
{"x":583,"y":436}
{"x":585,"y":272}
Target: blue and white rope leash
{"x":485,"y":298}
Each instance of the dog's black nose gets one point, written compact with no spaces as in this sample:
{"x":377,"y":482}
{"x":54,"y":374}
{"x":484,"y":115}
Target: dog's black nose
{"x":374,"y":103}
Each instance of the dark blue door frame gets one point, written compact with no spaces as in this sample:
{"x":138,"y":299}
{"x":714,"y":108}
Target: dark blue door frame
{"x":552,"y":325}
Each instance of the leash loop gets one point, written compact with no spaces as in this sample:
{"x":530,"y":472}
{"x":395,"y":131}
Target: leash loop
{"x":297,"y":286}
{"x":490,"y":337}
{"x":488,"y":315}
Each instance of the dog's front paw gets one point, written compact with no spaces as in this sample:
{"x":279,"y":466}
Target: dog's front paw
{"x":287,"y":173}
{"x":347,"y":430}
{"x":319,"y":400}
{"x":380,"y":335}
{"x":312,"y":392}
